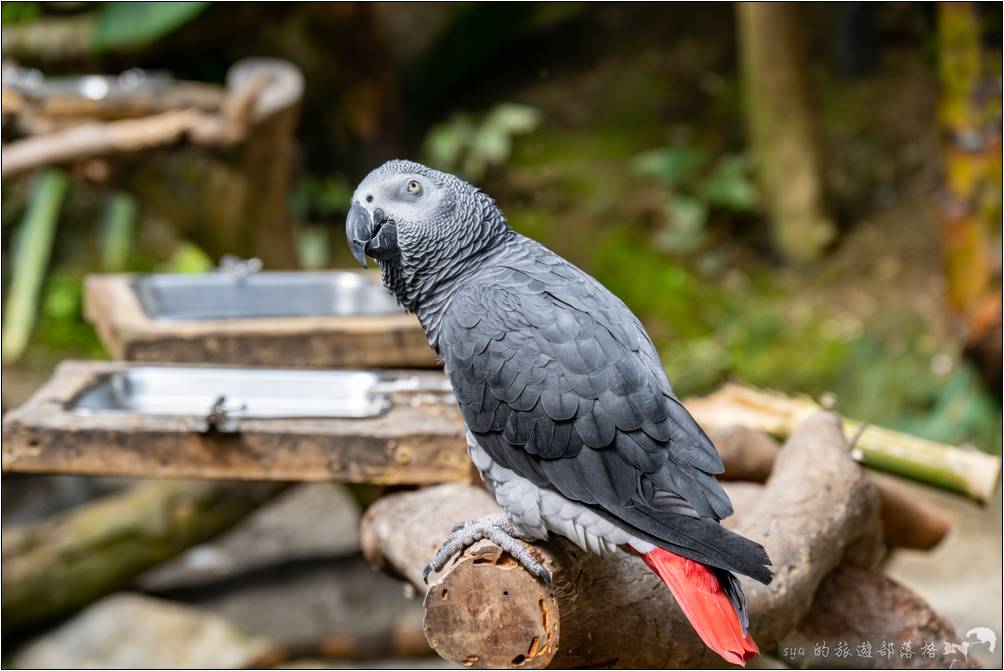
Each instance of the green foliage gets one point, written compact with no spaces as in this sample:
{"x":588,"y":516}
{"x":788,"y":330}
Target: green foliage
{"x":61,"y":323}
{"x":128,"y":25}
{"x":673,"y":167}
{"x":696,"y":187}
{"x":18,"y":12}
{"x":730,"y":184}
{"x":880,"y":371}
{"x":469,"y":146}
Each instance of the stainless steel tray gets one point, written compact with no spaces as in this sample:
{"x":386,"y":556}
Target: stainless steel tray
{"x":223,"y":295}
{"x":245,"y":393}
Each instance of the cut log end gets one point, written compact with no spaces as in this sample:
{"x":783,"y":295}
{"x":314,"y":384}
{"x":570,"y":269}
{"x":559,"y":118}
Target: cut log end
{"x":502,"y":618}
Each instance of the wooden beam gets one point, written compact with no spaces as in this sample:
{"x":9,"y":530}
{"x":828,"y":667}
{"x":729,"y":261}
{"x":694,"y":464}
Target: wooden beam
{"x":419,"y":441}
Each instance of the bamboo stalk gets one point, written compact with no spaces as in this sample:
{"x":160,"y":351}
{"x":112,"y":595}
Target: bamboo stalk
{"x":34,"y":248}
{"x":116,"y":234}
{"x":955,"y":469}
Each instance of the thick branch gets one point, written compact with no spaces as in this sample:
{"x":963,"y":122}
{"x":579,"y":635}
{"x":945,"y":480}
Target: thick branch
{"x":816,"y":509}
{"x":906,"y":522}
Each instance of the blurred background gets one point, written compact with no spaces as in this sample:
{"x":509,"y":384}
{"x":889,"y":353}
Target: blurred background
{"x":805,"y":198}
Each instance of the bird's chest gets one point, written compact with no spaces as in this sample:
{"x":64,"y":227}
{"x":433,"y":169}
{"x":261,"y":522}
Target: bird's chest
{"x":535,"y":511}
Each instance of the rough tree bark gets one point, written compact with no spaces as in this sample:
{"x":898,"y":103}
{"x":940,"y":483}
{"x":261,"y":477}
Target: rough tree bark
{"x":816,"y":511}
{"x":782,"y":129}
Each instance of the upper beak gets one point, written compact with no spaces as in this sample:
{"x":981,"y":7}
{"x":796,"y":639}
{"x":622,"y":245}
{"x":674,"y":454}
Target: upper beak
{"x":370,"y":234}
{"x":359,"y":230}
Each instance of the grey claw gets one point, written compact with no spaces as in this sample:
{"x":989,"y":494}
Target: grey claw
{"x":425,"y":573}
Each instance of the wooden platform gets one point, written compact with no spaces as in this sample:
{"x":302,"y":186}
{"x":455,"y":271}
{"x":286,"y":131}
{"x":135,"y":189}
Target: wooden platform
{"x":419,"y":441}
{"x":383,"y":341}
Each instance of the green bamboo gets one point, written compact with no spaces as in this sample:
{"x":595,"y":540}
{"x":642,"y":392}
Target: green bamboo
{"x":34,"y":247}
{"x":116,"y":232}
{"x":963,"y":471}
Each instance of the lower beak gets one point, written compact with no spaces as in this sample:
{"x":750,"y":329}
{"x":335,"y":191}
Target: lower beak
{"x":370,"y":234}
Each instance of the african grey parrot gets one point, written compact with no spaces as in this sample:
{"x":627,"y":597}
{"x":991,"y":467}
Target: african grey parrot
{"x":571,"y":420}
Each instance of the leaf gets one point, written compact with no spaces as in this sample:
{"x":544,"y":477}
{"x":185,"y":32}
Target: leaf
{"x":187,"y":258}
{"x":447,"y":142}
{"x":685,"y":231}
{"x":730,"y":185}
{"x":670,"y":165}
{"x":128,"y":25}
{"x":513,"y":119}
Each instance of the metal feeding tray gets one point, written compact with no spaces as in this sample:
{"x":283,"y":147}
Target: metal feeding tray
{"x":122,"y":419}
{"x":237,"y":393}
{"x":281,"y":319}
{"x":228,"y":296}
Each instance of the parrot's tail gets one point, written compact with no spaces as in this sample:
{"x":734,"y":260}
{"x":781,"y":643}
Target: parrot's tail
{"x":704,"y":601}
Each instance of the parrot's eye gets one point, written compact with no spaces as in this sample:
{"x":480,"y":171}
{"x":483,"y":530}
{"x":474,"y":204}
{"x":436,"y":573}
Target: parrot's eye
{"x":414,"y":186}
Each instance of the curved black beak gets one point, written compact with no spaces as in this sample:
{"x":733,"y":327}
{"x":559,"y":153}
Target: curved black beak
{"x":370,"y":234}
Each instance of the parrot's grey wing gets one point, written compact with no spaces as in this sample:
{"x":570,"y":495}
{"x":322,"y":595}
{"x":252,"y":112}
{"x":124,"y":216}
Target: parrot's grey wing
{"x":559,"y":383}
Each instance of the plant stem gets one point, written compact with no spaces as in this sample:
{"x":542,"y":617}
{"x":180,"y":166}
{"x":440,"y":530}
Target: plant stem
{"x":34,"y":247}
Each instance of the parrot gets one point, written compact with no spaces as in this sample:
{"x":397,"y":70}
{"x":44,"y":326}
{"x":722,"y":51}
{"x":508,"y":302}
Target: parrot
{"x":570,"y":418}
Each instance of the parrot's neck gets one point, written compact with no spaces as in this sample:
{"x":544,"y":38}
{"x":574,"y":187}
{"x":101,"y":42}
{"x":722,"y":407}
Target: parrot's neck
{"x":427,"y":292}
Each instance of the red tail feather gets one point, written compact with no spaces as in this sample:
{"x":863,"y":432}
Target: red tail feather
{"x":697,"y":590}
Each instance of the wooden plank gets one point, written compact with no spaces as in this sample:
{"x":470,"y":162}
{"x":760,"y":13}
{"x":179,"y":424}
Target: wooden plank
{"x":379,"y":341}
{"x":419,"y":441}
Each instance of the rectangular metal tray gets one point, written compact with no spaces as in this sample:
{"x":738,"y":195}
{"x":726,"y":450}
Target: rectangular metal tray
{"x":338,"y":319}
{"x":223,"y":295}
{"x":163,"y":390}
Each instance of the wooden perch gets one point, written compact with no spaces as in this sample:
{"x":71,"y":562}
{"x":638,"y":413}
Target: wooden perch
{"x":816,"y":510}
{"x":55,"y":566}
{"x":968,"y":472}
{"x":906,"y":522}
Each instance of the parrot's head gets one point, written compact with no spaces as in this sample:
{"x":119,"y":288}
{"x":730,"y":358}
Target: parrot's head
{"x":419,"y":222}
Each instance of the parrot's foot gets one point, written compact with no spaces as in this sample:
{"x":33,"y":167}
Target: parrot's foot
{"x":495,"y":528}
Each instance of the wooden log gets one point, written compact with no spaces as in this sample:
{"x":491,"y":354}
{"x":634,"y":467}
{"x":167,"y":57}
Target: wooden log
{"x":857,"y":606}
{"x":56,"y":566}
{"x":906,"y":521}
{"x":817,"y":509}
{"x":964,"y":471}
